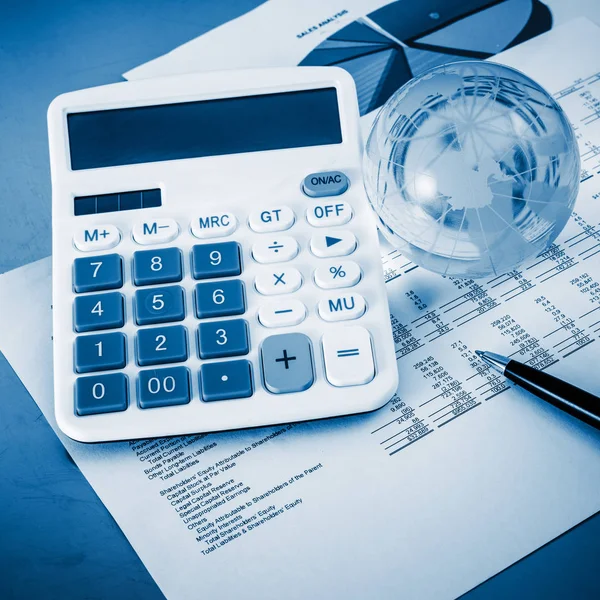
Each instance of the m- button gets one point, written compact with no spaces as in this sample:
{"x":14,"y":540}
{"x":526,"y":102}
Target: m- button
{"x":158,"y":231}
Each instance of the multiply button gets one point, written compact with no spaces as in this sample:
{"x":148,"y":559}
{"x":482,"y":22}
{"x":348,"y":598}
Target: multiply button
{"x":215,"y":224}
{"x":280,"y":281}
{"x":158,"y":231}
{"x":329,"y":214}
{"x":100,"y":237}
{"x":348,"y":356}
{"x":328,"y":183}
{"x":272,"y":219}
{"x":275,"y":249}
{"x":287,"y":363}
{"x":344,"y":307}
{"x":325,"y":245}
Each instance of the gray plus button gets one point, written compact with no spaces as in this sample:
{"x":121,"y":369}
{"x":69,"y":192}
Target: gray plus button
{"x":287,"y":363}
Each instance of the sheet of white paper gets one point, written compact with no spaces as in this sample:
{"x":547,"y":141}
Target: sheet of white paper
{"x":455,"y":479}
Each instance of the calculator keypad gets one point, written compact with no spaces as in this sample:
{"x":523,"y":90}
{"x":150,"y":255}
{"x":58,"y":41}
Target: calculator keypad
{"x":159,"y":305}
{"x":151,"y":267}
{"x":96,"y":273}
{"x":161,"y":345}
{"x":286,"y":360}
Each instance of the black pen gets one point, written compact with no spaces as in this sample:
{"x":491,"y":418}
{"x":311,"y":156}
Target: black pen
{"x":563,"y":395}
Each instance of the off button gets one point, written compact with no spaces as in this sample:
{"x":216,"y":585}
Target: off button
{"x":328,"y":183}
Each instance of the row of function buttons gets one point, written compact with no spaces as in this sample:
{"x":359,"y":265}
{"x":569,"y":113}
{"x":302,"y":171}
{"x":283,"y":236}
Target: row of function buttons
{"x":315,"y":185}
{"x":286,"y":362}
{"x":157,"y":305}
{"x":161,"y":231}
{"x":211,"y":261}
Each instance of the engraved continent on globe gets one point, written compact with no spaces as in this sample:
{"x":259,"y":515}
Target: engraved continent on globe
{"x":471,"y":168}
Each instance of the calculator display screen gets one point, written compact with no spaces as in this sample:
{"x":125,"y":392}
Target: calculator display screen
{"x":129,"y":136}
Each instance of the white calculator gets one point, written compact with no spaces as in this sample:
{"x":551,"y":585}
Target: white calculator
{"x":215,"y":261}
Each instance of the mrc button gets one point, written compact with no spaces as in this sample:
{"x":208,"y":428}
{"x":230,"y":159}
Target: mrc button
{"x":328,"y":183}
{"x":216,"y":224}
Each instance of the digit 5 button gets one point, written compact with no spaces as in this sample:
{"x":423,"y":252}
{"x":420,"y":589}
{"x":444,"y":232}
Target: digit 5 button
{"x":329,"y":214}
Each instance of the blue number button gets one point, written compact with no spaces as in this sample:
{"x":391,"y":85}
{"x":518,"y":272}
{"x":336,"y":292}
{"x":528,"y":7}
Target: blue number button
{"x":159,"y":305}
{"x":157,"y":266}
{"x":96,"y":273}
{"x":163,"y":387}
{"x":225,"y":380}
{"x":162,"y":345}
{"x":223,"y":338}
{"x":100,"y":352}
{"x":220,"y":299}
{"x":100,"y":311}
{"x":216,"y":260}
{"x":100,"y":394}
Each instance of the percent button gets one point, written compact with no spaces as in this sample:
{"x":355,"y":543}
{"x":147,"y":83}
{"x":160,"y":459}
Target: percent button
{"x":337,"y":274}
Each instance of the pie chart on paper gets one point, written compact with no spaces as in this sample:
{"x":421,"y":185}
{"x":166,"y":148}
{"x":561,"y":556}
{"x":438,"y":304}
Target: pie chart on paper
{"x":389,"y":46}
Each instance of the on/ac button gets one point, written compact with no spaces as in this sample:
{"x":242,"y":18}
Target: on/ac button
{"x":327,"y":183}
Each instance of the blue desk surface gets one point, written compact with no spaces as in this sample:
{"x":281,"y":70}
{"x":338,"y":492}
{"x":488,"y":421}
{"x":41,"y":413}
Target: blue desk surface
{"x":56,"y":538}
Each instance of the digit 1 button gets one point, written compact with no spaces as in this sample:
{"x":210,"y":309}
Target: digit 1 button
{"x":99,"y":311}
{"x":157,"y":266}
{"x":216,"y":260}
{"x":100,"y":394}
{"x":159,"y":305}
{"x":343,"y":307}
{"x":337,"y":274}
{"x":96,"y":273}
{"x":287,"y":363}
{"x":220,"y":299}
{"x":163,"y":387}
{"x":348,"y":356}
{"x":227,"y":380}
{"x":101,"y":352}
{"x":161,"y":345}
{"x":217,"y":339}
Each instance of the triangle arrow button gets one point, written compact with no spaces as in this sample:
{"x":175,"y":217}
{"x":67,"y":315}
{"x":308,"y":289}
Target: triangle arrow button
{"x":330,"y":241}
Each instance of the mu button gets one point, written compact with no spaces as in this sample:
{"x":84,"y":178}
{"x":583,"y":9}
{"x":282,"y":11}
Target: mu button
{"x":342,"y":307}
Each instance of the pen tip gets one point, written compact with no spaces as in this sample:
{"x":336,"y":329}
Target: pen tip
{"x":479,"y":352}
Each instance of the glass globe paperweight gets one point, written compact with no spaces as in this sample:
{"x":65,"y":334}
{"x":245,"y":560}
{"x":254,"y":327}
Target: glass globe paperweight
{"x":471,"y":168}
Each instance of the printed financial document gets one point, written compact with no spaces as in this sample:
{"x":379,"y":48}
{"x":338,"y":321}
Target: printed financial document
{"x":459,"y":476}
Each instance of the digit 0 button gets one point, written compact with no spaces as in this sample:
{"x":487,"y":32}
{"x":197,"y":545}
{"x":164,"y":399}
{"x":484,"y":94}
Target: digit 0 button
{"x":100,"y":394}
{"x":340,"y":243}
{"x":328,"y":183}
{"x":278,"y":281}
{"x":342,"y":307}
{"x":100,"y":237}
{"x":157,"y":231}
{"x":348,"y":356}
{"x":329,"y":214}
{"x":214,"y":224}
{"x":337,"y":274}
{"x":271,"y":219}
{"x":275,"y":249}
